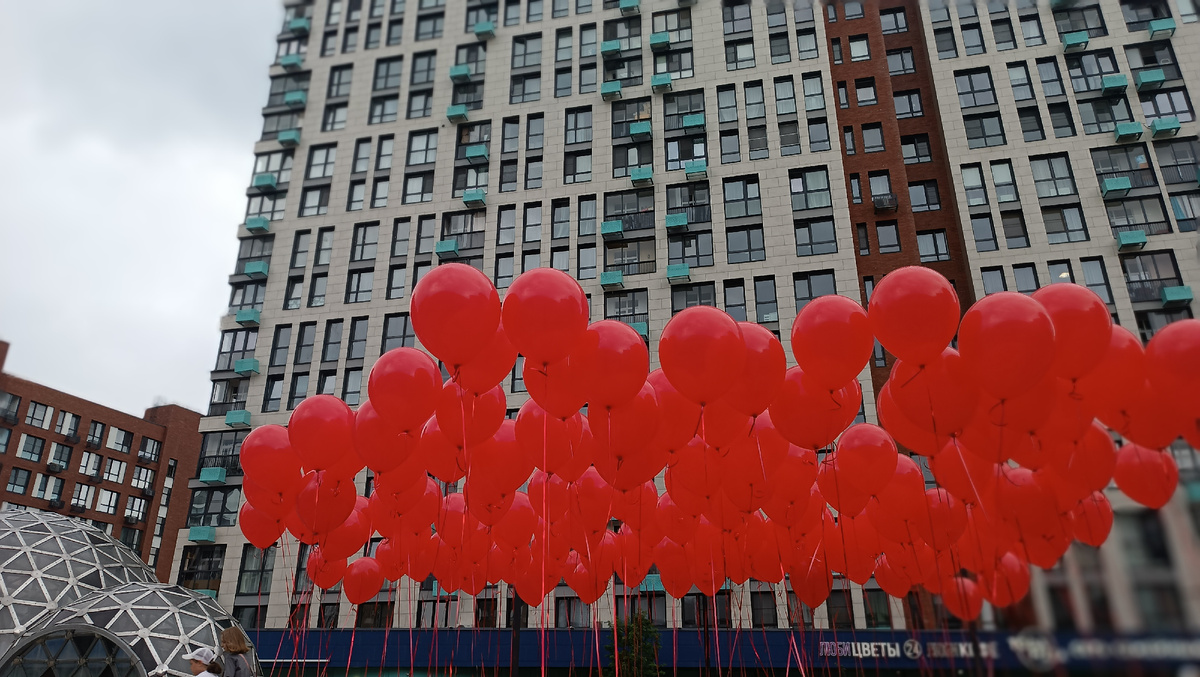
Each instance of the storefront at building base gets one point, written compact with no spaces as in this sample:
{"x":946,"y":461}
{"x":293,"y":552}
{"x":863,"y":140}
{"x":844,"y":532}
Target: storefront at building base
{"x":401,"y":652}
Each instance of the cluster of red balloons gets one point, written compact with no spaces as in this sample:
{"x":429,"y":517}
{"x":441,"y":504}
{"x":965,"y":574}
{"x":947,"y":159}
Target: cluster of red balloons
{"x":765,"y":472}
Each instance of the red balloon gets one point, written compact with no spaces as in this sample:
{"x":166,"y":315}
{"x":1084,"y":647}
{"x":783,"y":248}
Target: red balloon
{"x":1009,"y":583}
{"x":902,"y":429}
{"x":1092,"y":520}
{"x":301,"y":531}
{"x":556,"y":387}
{"x":321,"y":430}
{"x":612,"y":362}
{"x":914,"y":313}
{"x":1147,"y":476}
{"x":680,"y":419}
{"x":490,"y":366}
{"x":939,"y":396}
{"x":791,"y":487}
{"x":867,"y":456}
{"x":1147,"y":417}
{"x":348,"y":538}
{"x":721,"y":425}
{"x":487,"y":502}
{"x":963,"y":598}
{"x":811,"y":580}
{"x":391,"y":560}
{"x":810,"y":416}
{"x":261,"y":529}
{"x":891,"y":580}
{"x":404,"y":385}
{"x":324,"y":502}
{"x":548,"y":496}
{"x":516,"y":527}
{"x":1173,"y":365}
{"x":945,"y":522}
{"x":498,"y":462}
{"x":968,"y":477}
{"x":545,"y":314}
{"x":1007,"y":342}
{"x":1120,"y":373}
{"x":362,"y":580}
{"x":416,"y":520}
{"x":832,"y":340}
{"x":546,"y":439}
{"x":377,"y":443}
{"x":901,"y":503}
{"x":837,"y":489}
{"x":678,"y":525}
{"x":702,"y":353}
{"x":590,"y":500}
{"x":268,"y":458}
{"x":1090,"y":462}
{"x":762,"y":375}
{"x":325,"y":572}
{"x":460,"y":412}
{"x":455,"y":311}
{"x":629,"y":428}
{"x":274,"y":503}
{"x":1082,"y":327}
{"x":444,"y":460}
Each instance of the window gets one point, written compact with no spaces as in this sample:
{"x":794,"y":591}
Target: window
{"x":894,"y":21}
{"x":993,"y":280}
{"x":1186,"y":207}
{"x":1164,"y":103}
{"x":789,"y":138}
{"x":532,"y":231}
{"x":1025,"y":277}
{"x":815,"y":236}
{"x":236,"y":344}
{"x":1052,"y":175}
{"x":1031,"y":31}
{"x":932,"y":246}
{"x":299,"y":390}
{"x":1153,"y":55}
{"x":900,"y":61}
{"x":860,"y":50}
{"x":727,"y":108}
{"x":1087,"y":70}
{"x":631,"y":257}
{"x":420,"y":105}
{"x":422,"y":147}
{"x":430,"y":27}
{"x":810,"y":188}
{"x":781,"y":48}
{"x":888,"y":237}
{"x":358,"y":190}
{"x":18,"y":481}
{"x":973,"y":40}
{"x":525,"y":88}
{"x":736,"y":16}
{"x":107,"y":501}
{"x":864,"y":92}
{"x":908,"y":104}
{"x":1101,"y":116}
{"x":745,"y":244}
{"x":1065,"y":224}
{"x":418,"y":188}
{"x":944,"y":40}
{"x":67,"y":424}
{"x":1060,"y":271}
{"x":873,"y":138}
{"x":739,"y":55}
{"x":1004,"y":180}
{"x":384,"y":109}
{"x":818,"y":135}
{"x":735,"y":299}
{"x":974,"y":88}
{"x":334,"y":118}
{"x":527,"y":51}
{"x":358,"y":286}
{"x":31,"y":450}
{"x":397,"y":332}
{"x":1015,"y":234}
{"x":315,"y":201}
{"x":321,"y":161}
{"x":1002,"y":32}
{"x":1144,"y":213}
{"x":333,"y":341}
{"x":114,"y":470}
{"x":730,"y":147}
{"x":923,"y":196}
{"x":809,"y":286}
{"x":836,"y":47}
{"x":1018,"y":77}
{"x":1130,"y":162}
{"x":694,"y":249}
{"x":848,"y":140}
{"x":1031,"y":124}
{"x":1061,"y":120}
{"x":984,"y":130}
{"x":766,"y":305}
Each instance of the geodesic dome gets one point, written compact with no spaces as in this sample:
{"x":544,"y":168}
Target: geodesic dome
{"x":48,"y":561}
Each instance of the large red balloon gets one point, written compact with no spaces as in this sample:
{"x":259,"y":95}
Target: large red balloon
{"x":945,"y":520}
{"x":548,"y":496}
{"x":702,"y":353}
{"x":831,"y":339}
{"x":378,"y":443}
{"x":516,"y":527}
{"x":1009,"y":583}
{"x":362,"y":580}
{"x":939,"y":396}
{"x":792,"y":486}
{"x":1007,"y":342}
{"x":627,"y":429}
{"x":962,"y":597}
{"x":403,"y":386}
{"x":612,"y":363}
{"x":545,"y":314}
{"x":762,"y":375}
{"x":276,"y":503}
{"x":1082,"y":327}
{"x":546,"y":439}
{"x":325,"y":502}
{"x":556,"y":387}
{"x":321,"y":430}
{"x":259,"y":528}
{"x":325,"y":572}
{"x":1173,"y":365}
{"x":498,"y":462}
{"x":1092,"y":520}
{"x":1147,"y":476}
{"x":680,"y":420}
{"x":967,"y":476}
{"x":808,"y":415}
{"x":837,"y":489}
{"x":1121,"y":372}
{"x":490,"y":366}
{"x":349,"y":537}
{"x":461,"y":412}
{"x":444,"y":460}
{"x":867,"y":456}
{"x":914,"y":313}
{"x":268,"y":458}
{"x":455,"y":311}
{"x":902,"y":429}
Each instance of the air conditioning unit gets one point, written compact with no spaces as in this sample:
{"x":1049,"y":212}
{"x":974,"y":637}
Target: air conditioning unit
{"x":885,"y":201}
{"x":147,"y":491}
{"x":75,"y":507}
{"x":131,"y":519}
{"x":56,"y":504}
{"x":92,"y":444}
{"x":73,"y":438}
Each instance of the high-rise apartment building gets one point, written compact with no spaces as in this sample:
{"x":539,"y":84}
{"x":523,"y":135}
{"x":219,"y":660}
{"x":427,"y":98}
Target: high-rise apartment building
{"x":819,"y":147}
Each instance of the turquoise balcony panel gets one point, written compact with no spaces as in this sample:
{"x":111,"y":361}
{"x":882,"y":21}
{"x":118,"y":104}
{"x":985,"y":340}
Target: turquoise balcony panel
{"x":1131,"y":240}
{"x":248,"y":317}
{"x":246,"y":366}
{"x":297,"y":99}
{"x":1173,"y":297}
{"x":238,"y":418}
{"x":610,"y":47}
{"x":660,"y":41}
{"x":477,"y":154}
{"x":630,"y":7}
{"x":292,"y":62}
{"x":1151,"y":79}
{"x":1075,"y":41}
{"x":693,"y":121}
{"x":641,"y":176}
{"x":265,"y":183}
{"x":288,"y":137}
{"x":203,"y":535}
{"x":610,"y":230}
{"x":642,"y":328}
{"x":300,"y":25}
{"x":661,"y":82}
{"x":257,"y":269}
{"x":485,"y":30}
{"x":212,"y":475}
{"x":1164,"y":127}
{"x":1116,"y":187}
{"x":475,"y":198}
{"x":446,"y":249}
{"x":460,"y":72}
{"x":677,"y":221}
{"x":612,"y":279}
{"x":1129,"y":131}
{"x":1161,"y":28}
{"x":1114,"y":84}
{"x":640,"y":131}
{"x":258,"y":224}
{"x":457,"y":113}
{"x":696,"y":169}
{"x":678,"y":272}
{"x":610,"y":90}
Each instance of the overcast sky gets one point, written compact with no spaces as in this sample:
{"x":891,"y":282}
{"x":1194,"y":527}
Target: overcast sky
{"x":127,"y":131}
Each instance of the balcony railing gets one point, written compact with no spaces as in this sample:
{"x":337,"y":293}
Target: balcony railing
{"x":222,"y":408}
{"x":635,"y":268}
{"x":1138,"y":178}
{"x":466,"y":240}
{"x":635,"y":221}
{"x":695,"y":213}
{"x":1151,"y":228}
{"x":1178,"y":173}
{"x":1170,"y":70}
{"x":635,"y":318}
{"x":231,"y":463}
{"x":1149,"y":290}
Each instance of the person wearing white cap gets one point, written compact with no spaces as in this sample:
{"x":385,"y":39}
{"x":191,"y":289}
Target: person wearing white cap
{"x":202,"y":662}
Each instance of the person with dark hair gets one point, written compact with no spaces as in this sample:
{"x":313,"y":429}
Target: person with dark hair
{"x":203,"y":662}
{"x":237,"y":657}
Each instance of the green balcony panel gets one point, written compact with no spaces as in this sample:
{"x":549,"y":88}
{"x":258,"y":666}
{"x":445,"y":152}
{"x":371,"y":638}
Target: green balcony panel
{"x":1161,"y":28}
{"x":610,"y":47}
{"x":693,"y":121}
{"x":1151,"y":79}
{"x":1116,"y":187}
{"x":696,"y":169}
{"x":1129,"y":131}
{"x":288,"y":137}
{"x":629,"y":7}
{"x":202,"y":535}
{"x":300,"y":25}
{"x":212,"y":475}
{"x":661,"y":82}
{"x":610,"y":90}
{"x":238,"y":418}
{"x":678,"y":272}
{"x":258,"y":224}
{"x":248,"y":317}
{"x":485,"y":30}
{"x":652,"y":583}
{"x":641,"y":176}
{"x":446,"y":249}
{"x":1114,"y":84}
{"x":477,"y":154}
{"x":677,"y":221}
{"x":660,"y":41}
{"x":612,"y":279}
{"x":246,"y":366}
{"x":640,"y":131}
{"x":265,"y":183}
{"x":297,"y":99}
{"x":1131,"y":240}
{"x":457,"y":113}
{"x":292,"y":62}
{"x":256,"y":269}
{"x":475,"y":198}
{"x":1163,"y":127}
{"x":460,"y":72}
{"x":642,"y":328}
{"x":1075,"y":41}
{"x":612,"y":229}
{"x":1193,"y":491}
{"x":1173,"y":297}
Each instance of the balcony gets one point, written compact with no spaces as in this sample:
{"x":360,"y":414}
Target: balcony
{"x":54,"y":467}
{"x":660,"y":41}
{"x":640,"y":131}
{"x":631,"y":267}
{"x":677,"y":222}
{"x":1162,"y":128}
{"x":1161,"y":28}
{"x":612,"y":279}
{"x":1150,"y":289}
{"x":485,"y":30}
{"x":610,"y":48}
{"x":1131,"y":240}
{"x":132,"y":519}
{"x":678,"y":273}
{"x":246,"y":366}
{"x":457,"y":113}
{"x":1073,"y":42}
{"x":642,"y":328}
{"x":693,"y":122}
{"x":292,"y":62}
{"x":202,"y":535}
{"x":1118,"y":186}
{"x":1176,"y":296}
{"x":610,"y":90}
{"x":661,"y":82}
{"x":631,"y":7}
{"x":446,"y":249}
{"x":72,"y":438}
{"x":248,"y":317}
{"x":300,"y":25}
{"x":475,"y":198}
{"x":258,"y":224}
{"x":91,"y":443}
{"x":612,"y":230}
{"x":696,"y":169}
{"x":230,"y":463}
{"x":256,"y":270}
{"x":288,"y":138}
{"x":460,"y":73}
{"x":1114,"y":84}
{"x":296,"y":100}
{"x":1128,"y":131}
{"x":265,"y":183}
{"x":1147,"y":80}
{"x":885,"y":202}
{"x":641,"y":176}
{"x":56,"y":504}
{"x":477,"y":154}
{"x":93,"y":477}
{"x":212,"y":476}
{"x":238,"y":418}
